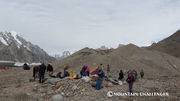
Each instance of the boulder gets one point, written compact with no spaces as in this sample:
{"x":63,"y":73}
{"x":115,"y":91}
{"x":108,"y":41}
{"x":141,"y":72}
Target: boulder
{"x":57,"y":98}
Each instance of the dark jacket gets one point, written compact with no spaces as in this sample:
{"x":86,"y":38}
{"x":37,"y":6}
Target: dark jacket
{"x":121,"y":75}
{"x":42,"y":68}
{"x":49,"y":68}
{"x":83,"y":69}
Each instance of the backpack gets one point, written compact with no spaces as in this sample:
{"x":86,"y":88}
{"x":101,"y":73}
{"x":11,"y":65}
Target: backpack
{"x":134,"y":78}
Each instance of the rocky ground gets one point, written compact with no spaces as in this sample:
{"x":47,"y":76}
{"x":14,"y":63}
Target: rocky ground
{"x":16,"y":85}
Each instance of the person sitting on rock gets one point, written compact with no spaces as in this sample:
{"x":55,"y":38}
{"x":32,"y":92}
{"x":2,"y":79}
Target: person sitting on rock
{"x":66,"y":74}
{"x":121,"y":75}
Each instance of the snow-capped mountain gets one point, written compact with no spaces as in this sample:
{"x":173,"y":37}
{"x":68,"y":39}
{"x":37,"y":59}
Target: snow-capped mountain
{"x":13,"y":47}
{"x":63,"y":55}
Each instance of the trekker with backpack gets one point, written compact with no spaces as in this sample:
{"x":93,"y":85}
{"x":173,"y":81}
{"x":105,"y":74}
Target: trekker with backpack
{"x":142,"y":74}
{"x":130,"y":81}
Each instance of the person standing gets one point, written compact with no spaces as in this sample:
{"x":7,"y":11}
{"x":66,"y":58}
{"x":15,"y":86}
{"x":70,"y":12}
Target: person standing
{"x":108,"y":69}
{"x":42,"y":70}
{"x":101,"y":76}
{"x":142,"y":74}
{"x":130,"y":81}
{"x":50,"y":69}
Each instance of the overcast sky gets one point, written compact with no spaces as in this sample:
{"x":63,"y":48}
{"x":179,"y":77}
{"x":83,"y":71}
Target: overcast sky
{"x":57,"y":25}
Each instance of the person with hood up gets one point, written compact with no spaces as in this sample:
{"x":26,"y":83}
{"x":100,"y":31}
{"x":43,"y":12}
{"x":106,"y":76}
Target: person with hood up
{"x":42,"y":70}
{"x":50,"y":69}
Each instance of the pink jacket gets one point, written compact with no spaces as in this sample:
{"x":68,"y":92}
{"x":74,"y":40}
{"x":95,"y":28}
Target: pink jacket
{"x":130,"y":79}
{"x":87,"y":68}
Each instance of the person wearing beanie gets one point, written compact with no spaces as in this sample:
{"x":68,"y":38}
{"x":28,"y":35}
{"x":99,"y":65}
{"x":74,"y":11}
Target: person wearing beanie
{"x":50,"y":69}
{"x":42,"y":70}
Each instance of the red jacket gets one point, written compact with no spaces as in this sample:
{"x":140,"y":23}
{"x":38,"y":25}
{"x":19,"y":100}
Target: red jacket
{"x":130,"y":78}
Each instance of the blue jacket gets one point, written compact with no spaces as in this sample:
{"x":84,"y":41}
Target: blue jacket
{"x":101,"y":74}
{"x":66,"y":74}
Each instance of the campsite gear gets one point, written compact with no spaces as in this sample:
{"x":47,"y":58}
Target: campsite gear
{"x":120,"y":83}
{"x":114,"y":81}
{"x":71,"y":73}
{"x":85,"y":79}
{"x":74,"y":79}
{"x":2,"y":68}
{"x":124,"y":82}
{"x":98,"y":84}
{"x":94,"y":71}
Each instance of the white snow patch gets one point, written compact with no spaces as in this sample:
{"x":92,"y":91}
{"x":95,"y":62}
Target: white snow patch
{"x":14,"y":34}
{"x":3,"y":41}
{"x":35,"y":64}
{"x":26,"y":48}
{"x":2,"y":61}
{"x":19,"y":64}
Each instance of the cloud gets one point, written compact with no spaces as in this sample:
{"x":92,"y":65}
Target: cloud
{"x":59,"y":25}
